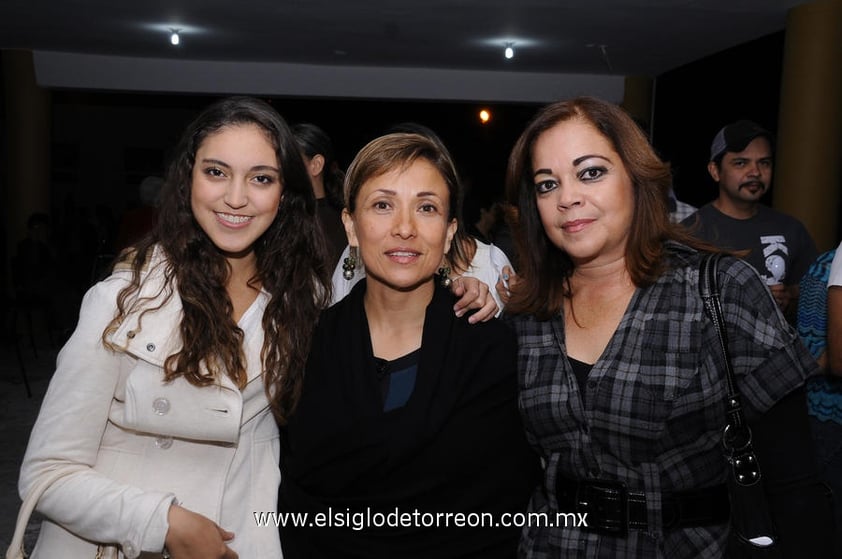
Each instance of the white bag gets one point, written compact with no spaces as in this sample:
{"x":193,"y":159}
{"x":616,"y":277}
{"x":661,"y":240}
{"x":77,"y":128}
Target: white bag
{"x":16,"y":550}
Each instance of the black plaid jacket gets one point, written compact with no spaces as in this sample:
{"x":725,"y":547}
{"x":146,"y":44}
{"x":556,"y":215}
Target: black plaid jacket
{"x":655,"y":403}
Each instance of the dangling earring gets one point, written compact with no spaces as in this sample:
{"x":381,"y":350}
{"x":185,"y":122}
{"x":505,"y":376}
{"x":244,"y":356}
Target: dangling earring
{"x":349,"y":264}
{"x":444,"y":276}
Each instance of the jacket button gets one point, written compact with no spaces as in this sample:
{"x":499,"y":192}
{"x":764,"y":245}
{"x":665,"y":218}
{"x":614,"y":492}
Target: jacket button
{"x":129,"y":550}
{"x":130,"y":334}
{"x":163,"y":442}
{"x":161,"y":406}
{"x":150,"y":347}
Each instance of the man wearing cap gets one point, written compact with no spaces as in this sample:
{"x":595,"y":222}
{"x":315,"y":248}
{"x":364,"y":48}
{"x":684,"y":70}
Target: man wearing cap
{"x":778,"y":245}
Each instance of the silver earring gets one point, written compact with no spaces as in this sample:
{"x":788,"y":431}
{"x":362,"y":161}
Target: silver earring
{"x":349,"y":264}
{"x":444,"y":276}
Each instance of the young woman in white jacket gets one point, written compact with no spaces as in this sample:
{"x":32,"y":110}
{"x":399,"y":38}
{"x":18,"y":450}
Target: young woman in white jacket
{"x":161,"y":406}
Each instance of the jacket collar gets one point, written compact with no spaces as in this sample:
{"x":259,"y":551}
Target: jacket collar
{"x":154,"y":335}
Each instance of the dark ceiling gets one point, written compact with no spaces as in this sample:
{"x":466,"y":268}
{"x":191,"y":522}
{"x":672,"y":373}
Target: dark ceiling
{"x":613,"y":37}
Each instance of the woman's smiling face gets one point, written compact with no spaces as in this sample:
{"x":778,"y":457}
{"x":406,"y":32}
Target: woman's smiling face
{"x":401,"y":226}
{"x":236,"y":187}
{"x":583,"y":192}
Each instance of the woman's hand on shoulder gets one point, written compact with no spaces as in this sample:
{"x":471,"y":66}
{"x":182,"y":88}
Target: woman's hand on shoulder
{"x":473,"y":294}
{"x":508,"y":278}
{"x":193,"y":536}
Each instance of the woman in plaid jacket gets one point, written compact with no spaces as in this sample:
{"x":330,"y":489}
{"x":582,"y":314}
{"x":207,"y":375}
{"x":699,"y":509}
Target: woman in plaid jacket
{"x":622,"y":389}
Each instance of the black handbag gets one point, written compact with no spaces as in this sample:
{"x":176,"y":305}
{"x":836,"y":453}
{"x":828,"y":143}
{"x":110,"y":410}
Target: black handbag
{"x":789,"y":512}
{"x":753,"y":531}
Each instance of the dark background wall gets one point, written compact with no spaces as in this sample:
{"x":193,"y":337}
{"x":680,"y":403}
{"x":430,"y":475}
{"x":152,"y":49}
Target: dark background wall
{"x":693,"y":102}
{"x":104,"y":143}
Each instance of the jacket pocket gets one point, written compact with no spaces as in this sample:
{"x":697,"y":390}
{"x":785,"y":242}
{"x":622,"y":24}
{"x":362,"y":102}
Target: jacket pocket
{"x":180,"y":409}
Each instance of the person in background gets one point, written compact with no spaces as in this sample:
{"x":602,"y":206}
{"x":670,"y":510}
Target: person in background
{"x":480,"y":216}
{"x":140,"y":221}
{"x":820,"y":327}
{"x":778,"y":245}
{"x":161,"y":406}
{"x":326,"y":178}
{"x":834,"y":316}
{"x":404,"y":408}
{"x":490,"y":224}
{"x":678,"y":210}
{"x":475,"y":266}
{"x":622,"y":384}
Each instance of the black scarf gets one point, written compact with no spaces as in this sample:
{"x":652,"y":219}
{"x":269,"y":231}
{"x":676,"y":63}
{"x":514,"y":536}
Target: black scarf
{"x":457,"y":446}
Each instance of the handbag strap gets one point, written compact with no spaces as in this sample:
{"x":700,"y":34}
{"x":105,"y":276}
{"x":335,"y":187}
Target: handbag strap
{"x":15,"y":550}
{"x":737,"y":430}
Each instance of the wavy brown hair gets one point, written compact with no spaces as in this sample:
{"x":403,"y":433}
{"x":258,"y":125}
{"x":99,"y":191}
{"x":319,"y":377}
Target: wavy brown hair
{"x":290,"y":266}
{"x":545,"y":269}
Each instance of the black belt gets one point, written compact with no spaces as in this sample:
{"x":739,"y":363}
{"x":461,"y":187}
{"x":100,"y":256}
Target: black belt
{"x":612,"y":509}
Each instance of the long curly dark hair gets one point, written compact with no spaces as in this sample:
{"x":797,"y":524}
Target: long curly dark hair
{"x":290,"y":266}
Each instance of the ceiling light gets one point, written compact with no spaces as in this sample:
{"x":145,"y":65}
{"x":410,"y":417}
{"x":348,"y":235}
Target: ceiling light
{"x":174,"y":38}
{"x":509,"y":52}
{"x":484,"y":116}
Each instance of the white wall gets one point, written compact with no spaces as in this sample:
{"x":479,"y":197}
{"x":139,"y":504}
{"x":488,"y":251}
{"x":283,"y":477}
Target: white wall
{"x":67,"y":70}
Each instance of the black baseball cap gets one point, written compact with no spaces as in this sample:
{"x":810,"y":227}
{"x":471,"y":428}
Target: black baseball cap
{"x":736,"y":136}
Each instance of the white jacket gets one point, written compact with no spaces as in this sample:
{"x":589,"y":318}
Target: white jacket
{"x":213,"y":449}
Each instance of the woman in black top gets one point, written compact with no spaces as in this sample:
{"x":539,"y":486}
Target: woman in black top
{"x":406,"y":433}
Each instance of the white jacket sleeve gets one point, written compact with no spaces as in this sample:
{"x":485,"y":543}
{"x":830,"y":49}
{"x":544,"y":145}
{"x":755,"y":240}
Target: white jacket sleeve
{"x":68,"y":432}
{"x":487,"y":266}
